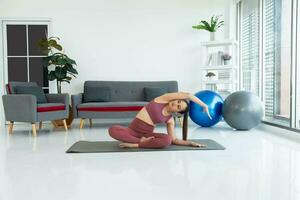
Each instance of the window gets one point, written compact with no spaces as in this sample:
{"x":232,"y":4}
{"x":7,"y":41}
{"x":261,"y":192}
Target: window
{"x":266,"y":59}
{"x":297,"y":121}
{"x":22,"y":56}
{"x":250,"y":46}
{"x":277,"y":60}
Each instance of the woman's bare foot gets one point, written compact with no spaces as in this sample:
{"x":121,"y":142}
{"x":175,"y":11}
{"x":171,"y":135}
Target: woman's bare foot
{"x":146,"y":139}
{"x":128,"y":145}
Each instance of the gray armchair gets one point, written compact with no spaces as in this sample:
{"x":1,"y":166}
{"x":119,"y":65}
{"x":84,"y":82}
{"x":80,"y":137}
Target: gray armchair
{"x":24,"y":108}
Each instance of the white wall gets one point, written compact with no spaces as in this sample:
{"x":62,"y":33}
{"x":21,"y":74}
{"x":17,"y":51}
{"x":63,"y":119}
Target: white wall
{"x":127,"y":39}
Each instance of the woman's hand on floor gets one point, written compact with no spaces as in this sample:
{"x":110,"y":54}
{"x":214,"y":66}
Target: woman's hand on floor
{"x":187,"y":143}
{"x":194,"y":144}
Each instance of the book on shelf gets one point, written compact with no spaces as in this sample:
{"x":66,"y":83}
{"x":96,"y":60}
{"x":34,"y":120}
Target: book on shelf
{"x":214,"y":59}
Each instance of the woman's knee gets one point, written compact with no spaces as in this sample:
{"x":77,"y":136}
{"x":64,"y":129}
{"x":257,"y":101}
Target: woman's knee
{"x":113,"y":130}
{"x":164,"y":141}
{"x":168,"y":140}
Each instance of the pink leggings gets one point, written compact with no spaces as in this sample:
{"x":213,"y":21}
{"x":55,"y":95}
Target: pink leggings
{"x":136,"y":130}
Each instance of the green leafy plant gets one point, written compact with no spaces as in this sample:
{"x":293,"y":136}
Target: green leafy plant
{"x":63,"y":70}
{"x":226,"y":56}
{"x":210,"y":74}
{"x":212,"y":26}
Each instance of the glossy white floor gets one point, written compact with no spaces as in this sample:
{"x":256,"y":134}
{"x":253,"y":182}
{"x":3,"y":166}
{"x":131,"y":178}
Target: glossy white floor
{"x":261,"y":164}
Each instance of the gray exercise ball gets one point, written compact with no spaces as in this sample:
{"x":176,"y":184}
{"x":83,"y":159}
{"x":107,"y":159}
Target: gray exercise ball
{"x":242,"y":110}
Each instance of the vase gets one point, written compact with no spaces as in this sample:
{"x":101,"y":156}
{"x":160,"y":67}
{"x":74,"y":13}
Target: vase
{"x":211,"y":86}
{"x":212,"y":36}
{"x":226,"y":62}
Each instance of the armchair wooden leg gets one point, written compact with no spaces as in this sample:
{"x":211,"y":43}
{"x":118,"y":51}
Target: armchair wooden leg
{"x":65,"y":124}
{"x":10,"y":127}
{"x":81,"y":123}
{"x":91,"y":122}
{"x":33,"y":129}
{"x":40,"y":125}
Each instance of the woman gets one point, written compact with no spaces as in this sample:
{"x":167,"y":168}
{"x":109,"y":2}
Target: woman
{"x":140,"y":131}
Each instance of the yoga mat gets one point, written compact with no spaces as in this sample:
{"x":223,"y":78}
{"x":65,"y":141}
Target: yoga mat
{"x":113,"y":146}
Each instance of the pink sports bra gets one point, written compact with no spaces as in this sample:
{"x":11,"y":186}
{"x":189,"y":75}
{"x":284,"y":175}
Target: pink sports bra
{"x":154,"y":110}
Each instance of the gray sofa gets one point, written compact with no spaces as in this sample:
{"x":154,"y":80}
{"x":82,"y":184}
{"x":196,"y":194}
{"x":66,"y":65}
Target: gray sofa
{"x":126,"y":99}
{"x":24,"y":107}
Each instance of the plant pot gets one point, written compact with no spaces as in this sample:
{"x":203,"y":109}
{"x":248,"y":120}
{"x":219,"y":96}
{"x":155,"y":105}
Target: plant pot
{"x":212,"y":36}
{"x":211,"y":86}
{"x":212,"y":78}
{"x":226,"y":62}
{"x":69,"y":120}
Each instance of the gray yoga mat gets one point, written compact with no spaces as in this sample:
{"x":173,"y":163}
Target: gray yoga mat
{"x":112,"y":146}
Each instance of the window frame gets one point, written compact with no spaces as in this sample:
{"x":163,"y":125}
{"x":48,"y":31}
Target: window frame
{"x":295,"y":52}
{"x":296,"y":63}
{"x":17,"y":21}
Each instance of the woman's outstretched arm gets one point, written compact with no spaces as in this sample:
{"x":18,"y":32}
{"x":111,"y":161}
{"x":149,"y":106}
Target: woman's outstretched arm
{"x":184,"y":95}
{"x":180,"y":95}
{"x":171,"y":133}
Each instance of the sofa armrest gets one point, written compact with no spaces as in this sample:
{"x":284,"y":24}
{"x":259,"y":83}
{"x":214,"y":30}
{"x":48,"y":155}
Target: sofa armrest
{"x":20,"y":107}
{"x":76,"y":99}
{"x":58,"y":98}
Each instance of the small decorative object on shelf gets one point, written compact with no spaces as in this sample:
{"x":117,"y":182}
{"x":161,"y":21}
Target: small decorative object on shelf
{"x":211,"y":78}
{"x":211,"y":26}
{"x":211,"y":86}
{"x":210,"y":75}
{"x":215,"y":58}
{"x":226,"y":57}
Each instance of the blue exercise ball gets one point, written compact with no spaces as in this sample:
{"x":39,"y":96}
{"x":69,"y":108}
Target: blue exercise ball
{"x":214,"y":102}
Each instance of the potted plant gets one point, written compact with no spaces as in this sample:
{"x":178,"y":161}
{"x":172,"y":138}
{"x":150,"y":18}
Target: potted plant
{"x":211,"y":76}
{"x":226,"y":57}
{"x":212,"y":26}
{"x":60,"y":67}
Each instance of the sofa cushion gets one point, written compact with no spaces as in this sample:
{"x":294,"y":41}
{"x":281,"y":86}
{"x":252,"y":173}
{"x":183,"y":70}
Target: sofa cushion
{"x":33,"y":90}
{"x":96,"y":94}
{"x":151,"y":93}
{"x":47,"y":107}
{"x":131,"y":90}
{"x":112,"y":106}
{"x":12,"y":85}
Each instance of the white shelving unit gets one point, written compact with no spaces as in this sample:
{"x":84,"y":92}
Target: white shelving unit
{"x":227,"y":76}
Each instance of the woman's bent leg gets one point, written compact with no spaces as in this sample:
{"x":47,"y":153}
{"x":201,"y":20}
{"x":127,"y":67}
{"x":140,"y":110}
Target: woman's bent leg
{"x":123,"y":134}
{"x":160,"y":140}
